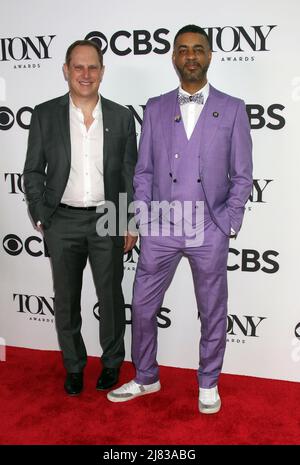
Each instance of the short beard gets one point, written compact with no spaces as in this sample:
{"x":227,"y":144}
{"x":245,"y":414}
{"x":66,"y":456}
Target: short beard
{"x":193,"y":76}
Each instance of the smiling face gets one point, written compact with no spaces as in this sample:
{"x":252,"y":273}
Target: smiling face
{"x":191,"y":57}
{"x":84,"y":73}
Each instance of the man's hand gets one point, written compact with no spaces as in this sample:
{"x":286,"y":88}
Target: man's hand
{"x":233,"y":234}
{"x":39,"y":227}
{"x":129,"y":241}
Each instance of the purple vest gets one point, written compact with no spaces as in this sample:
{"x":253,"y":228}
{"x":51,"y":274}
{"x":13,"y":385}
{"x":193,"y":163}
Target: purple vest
{"x":186,"y":166}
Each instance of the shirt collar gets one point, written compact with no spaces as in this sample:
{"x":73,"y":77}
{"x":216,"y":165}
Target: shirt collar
{"x":96,"y":110}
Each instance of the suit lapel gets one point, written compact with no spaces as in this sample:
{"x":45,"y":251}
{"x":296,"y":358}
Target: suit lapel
{"x":211,"y":118}
{"x":108,"y":121}
{"x":64,"y":124}
{"x":168,"y":107}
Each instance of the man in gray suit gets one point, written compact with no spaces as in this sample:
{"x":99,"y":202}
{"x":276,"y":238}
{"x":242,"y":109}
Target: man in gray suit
{"x":81,"y":153}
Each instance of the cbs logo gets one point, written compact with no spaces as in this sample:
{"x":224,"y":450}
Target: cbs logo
{"x":252,"y":260}
{"x":13,"y":245}
{"x":270,"y":117}
{"x":8,"y":118}
{"x":163,"y":321}
{"x":138,"y":42}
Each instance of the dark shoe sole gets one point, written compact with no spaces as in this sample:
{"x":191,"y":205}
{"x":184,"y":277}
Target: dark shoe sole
{"x":98,"y":388}
{"x":73,"y":394}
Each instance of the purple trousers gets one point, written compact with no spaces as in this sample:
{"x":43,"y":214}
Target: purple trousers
{"x":157,"y":264}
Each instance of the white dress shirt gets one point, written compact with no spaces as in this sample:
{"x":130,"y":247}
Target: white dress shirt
{"x":85,"y":186}
{"x":191,"y":111}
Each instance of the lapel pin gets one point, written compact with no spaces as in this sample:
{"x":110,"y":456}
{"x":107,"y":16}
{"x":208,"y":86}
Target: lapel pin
{"x":106,"y":129}
{"x":177,"y":118}
{"x":215,"y":114}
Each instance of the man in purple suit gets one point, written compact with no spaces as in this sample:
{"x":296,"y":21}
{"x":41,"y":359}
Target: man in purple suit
{"x":195,"y":148}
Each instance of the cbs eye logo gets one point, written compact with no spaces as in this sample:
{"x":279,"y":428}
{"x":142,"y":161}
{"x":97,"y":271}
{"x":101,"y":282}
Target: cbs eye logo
{"x":297,"y":331}
{"x":33,"y":245}
{"x":12,"y":244}
{"x":99,"y":39}
{"x":8,"y":118}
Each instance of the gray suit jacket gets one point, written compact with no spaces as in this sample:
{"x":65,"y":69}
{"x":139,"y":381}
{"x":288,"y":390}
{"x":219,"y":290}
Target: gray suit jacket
{"x":48,"y":158}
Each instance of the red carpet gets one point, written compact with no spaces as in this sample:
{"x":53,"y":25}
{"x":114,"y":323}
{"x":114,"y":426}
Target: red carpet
{"x":35,"y":410}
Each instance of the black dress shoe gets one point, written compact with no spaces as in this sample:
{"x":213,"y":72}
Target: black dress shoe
{"x":108,"y":378}
{"x":74,"y":383}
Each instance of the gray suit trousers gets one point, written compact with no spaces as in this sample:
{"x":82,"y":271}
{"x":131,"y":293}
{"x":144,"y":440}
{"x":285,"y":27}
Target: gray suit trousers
{"x":71,"y":238}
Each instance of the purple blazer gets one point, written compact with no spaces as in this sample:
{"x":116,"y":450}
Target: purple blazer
{"x":225,"y":155}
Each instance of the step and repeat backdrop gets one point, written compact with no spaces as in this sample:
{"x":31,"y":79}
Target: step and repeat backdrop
{"x":255,"y":57}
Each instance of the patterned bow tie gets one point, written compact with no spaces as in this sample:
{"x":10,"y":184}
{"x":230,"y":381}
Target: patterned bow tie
{"x":197,"y":98}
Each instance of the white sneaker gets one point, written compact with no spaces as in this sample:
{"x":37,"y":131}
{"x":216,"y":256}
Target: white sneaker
{"x":209,"y":400}
{"x":131,"y":390}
